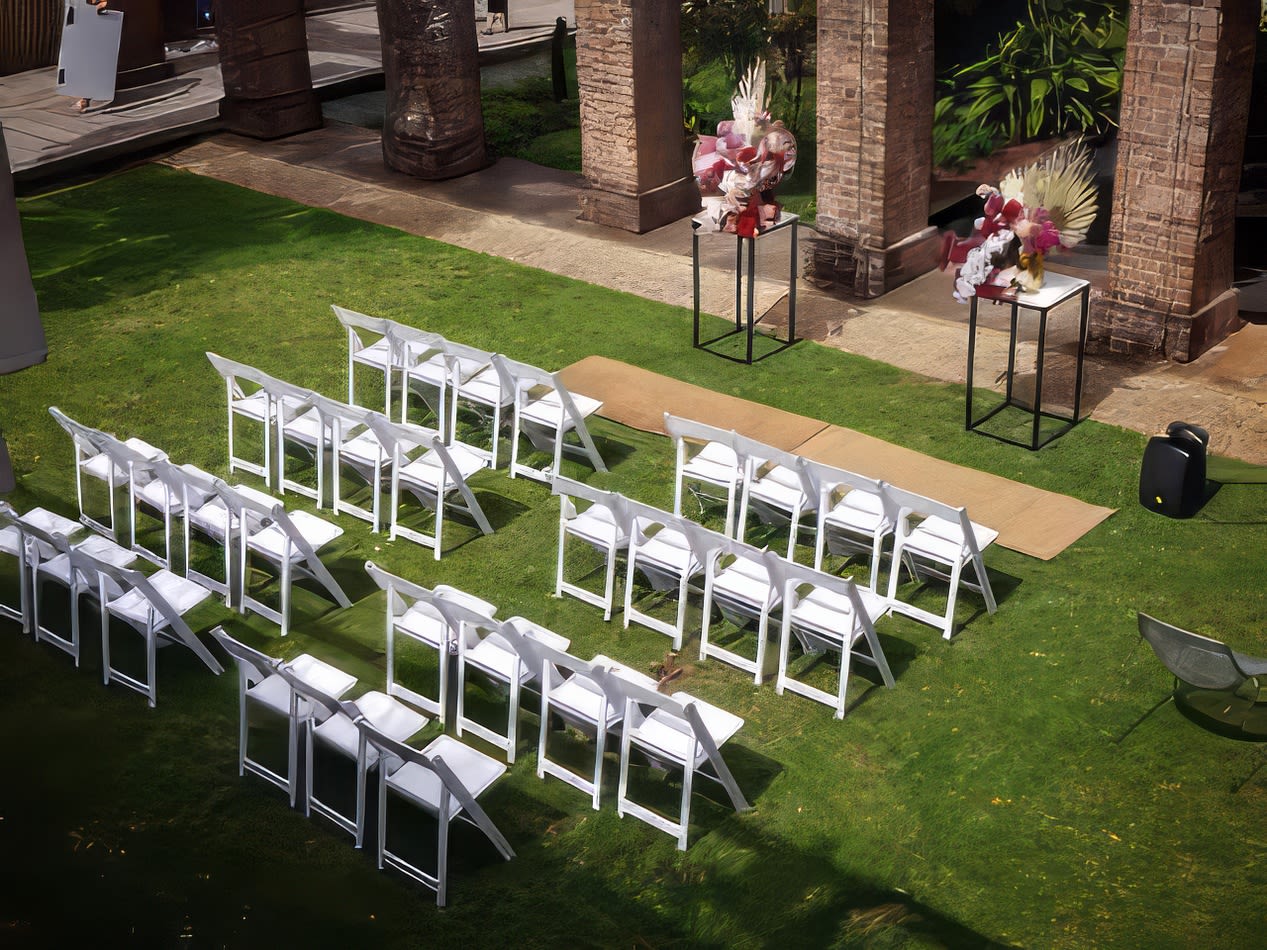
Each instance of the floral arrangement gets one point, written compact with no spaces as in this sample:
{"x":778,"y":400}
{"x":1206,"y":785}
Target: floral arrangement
{"x":738,"y":168}
{"x":1044,"y":207}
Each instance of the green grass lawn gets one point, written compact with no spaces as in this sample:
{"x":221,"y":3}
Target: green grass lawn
{"x":997,"y":795}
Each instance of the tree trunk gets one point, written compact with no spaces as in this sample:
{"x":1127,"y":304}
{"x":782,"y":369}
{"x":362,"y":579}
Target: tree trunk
{"x":30,"y":31}
{"x":264,"y":62}
{"x":434,"y":123}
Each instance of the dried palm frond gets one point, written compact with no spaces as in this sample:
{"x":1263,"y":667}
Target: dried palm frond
{"x":1064,"y":184}
{"x":748,"y":102}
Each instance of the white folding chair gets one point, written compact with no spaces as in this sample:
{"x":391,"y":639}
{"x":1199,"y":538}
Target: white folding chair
{"x":433,"y":368}
{"x":330,"y":723}
{"x":370,"y":345}
{"x":162,"y":493}
{"x":354,"y":446}
{"x":289,"y":542}
{"x":18,"y":536}
{"x":481,"y":388}
{"x":212,"y":507}
{"x":940,"y":544}
{"x":705,"y":455}
{"x":261,"y":684}
{"x":576,"y":692}
{"x":432,"y":472}
{"x":855,"y":514}
{"x":103,"y":457}
{"x":545,"y":411}
{"x":603,"y":525}
{"x":660,"y":550}
{"x":825,"y":612}
{"x":776,"y":487}
{"x":50,"y":560}
{"x":737,"y":581}
{"x":505,"y":655}
{"x":256,"y":407}
{"x":413,"y":613}
{"x":677,"y":731}
{"x":302,"y":424}
{"x":154,"y":607}
{"x":444,"y":779}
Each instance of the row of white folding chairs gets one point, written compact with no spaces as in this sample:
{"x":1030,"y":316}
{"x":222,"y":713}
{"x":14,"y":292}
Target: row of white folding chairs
{"x":851,"y":512}
{"x":445,"y":778}
{"x":411,"y":458}
{"x":244,"y":522}
{"x":447,"y":373}
{"x":47,"y":548}
{"x":596,"y":696}
{"x":744,"y":583}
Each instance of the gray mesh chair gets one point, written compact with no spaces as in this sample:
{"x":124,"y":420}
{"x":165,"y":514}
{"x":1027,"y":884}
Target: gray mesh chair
{"x":1212,"y":681}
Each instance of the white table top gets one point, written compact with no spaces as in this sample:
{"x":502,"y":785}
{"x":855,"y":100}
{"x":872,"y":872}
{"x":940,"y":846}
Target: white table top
{"x":1056,"y":289}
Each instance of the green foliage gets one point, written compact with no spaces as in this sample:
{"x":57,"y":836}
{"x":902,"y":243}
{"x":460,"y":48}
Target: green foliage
{"x":514,"y":117}
{"x":1058,"y":71}
{"x":736,"y":32}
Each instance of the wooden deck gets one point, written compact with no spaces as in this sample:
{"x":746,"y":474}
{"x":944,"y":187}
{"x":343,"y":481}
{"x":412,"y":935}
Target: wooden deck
{"x":46,"y":137}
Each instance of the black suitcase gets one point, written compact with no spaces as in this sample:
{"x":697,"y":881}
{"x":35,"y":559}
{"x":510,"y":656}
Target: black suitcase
{"x":1172,"y":477}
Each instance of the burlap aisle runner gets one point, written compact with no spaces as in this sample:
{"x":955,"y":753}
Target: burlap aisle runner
{"x":1029,"y":520}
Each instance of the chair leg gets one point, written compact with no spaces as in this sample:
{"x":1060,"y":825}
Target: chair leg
{"x":684,"y":823}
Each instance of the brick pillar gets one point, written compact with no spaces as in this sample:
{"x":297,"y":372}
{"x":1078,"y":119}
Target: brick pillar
{"x":633,"y":146}
{"x":875,"y":118}
{"x":1185,"y":107}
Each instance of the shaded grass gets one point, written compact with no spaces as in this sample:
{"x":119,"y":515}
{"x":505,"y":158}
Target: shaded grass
{"x":984,"y":799}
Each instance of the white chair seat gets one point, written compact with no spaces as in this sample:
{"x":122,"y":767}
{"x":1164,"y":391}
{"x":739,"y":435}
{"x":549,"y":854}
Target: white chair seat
{"x":364,"y":449}
{"x":583,"y":702}
{"x":858,"y":511}
{"x":184,"y":595}
{"x":433,"y":371}
{"x":660,"y":733}
{"x":10,"y":540}
{"x":321,"y":676}
{"x":597,"y":526}
{"x":820,"y":611}
{"x":423,"y":623}
{"x":378,"y":353}
{"x":50,"y":522}
{"x":495,"y":657}
{"x":943,"y":540}
{"x":157,"y":495}
{"x":668,"y":549}
{"x":306,"y":428}
{"x":743,"y":581}
{"x":271,"y":541}
{"x":425,"y":471}
{"x":475,"y":770}
{"x":486,"y":389}
{"x":273,"y":693}
{"x":780,"y":488}
{"x":548,"y":410}
{"x":256,"y":406}
{"x":392,"y":718}
{"x":714,"y":463}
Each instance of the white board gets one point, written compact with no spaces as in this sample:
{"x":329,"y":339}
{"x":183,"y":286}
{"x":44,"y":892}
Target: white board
{"x":89,"y":58}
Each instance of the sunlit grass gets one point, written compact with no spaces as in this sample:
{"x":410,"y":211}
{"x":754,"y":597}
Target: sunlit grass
{"x":997,"y":794}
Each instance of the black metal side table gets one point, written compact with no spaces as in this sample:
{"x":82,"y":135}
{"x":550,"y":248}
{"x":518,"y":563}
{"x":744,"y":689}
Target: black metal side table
{"x":744,"y":307}
{"x":1056,"y":289}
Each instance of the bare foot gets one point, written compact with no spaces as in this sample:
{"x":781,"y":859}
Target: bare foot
{"x":82,"y":105}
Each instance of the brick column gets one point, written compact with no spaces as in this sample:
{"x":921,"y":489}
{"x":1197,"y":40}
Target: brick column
{"x":633,"y":146}
{"x":875,"y":118}
{"x":1185,"y":107}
